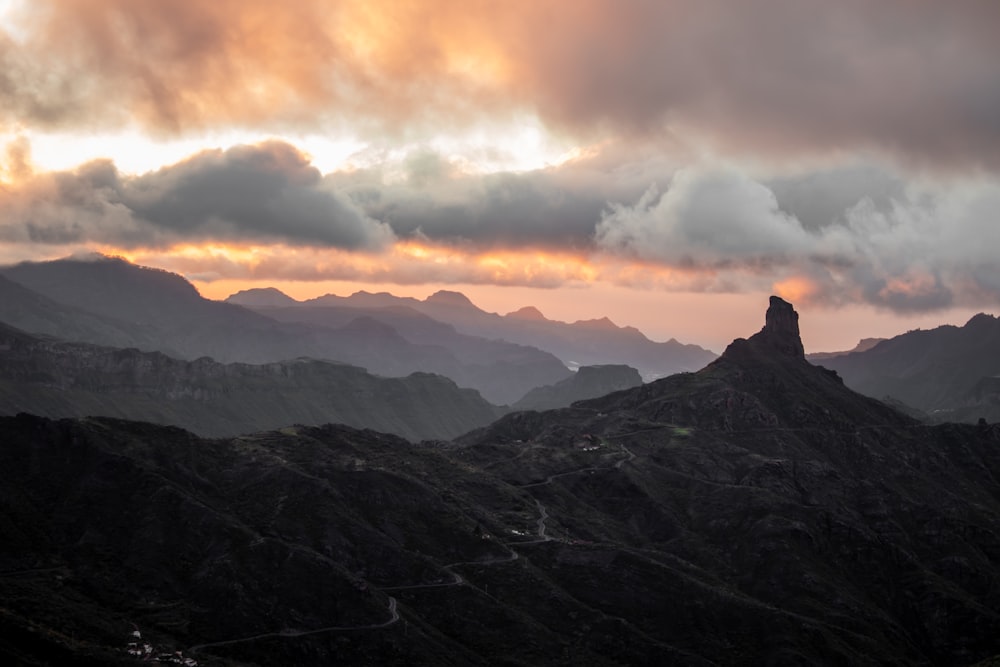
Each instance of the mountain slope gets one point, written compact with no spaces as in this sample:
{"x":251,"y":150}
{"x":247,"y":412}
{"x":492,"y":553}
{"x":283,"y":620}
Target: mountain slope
{"x":58,"y":379}
{"x":797,"y":493}
{"x":587,"y":382}
{"x":754,"y":512}
{"x":941,"y":371}
{"x":31,"y":311}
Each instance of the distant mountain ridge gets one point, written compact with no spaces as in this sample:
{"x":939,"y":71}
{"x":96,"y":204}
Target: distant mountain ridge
{"x":108,"y":301}
{"x":863,"y":345}
{"x":944,"y":372}
{"x":58,"y":379}
{"x":583,"y":343}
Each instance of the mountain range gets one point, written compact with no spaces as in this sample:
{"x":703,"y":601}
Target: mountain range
{"x":949,"y":373}
{"x":108,"y":301}
{"x":757,"y":511}
{"x":53,"y":378}
{"x":944,"y":374}
{"x":581,"y":343}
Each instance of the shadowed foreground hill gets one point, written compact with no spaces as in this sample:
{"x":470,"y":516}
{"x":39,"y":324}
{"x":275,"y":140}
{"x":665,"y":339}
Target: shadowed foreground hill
{"x":58,"y":379}
{"x":587,"y":382}
{"x":754,"y":512}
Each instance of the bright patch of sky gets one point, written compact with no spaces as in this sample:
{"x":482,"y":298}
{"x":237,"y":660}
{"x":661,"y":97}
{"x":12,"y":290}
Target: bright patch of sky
{"x":523,"y":146}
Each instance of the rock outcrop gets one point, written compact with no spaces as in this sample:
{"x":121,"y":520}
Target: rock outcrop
{"x":781,"y":328}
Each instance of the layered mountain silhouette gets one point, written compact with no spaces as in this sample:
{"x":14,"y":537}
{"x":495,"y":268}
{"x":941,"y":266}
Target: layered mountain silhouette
{"x":59,"y":379}
{"x":756,"y":511}
{"x":582,"y":343}
{"x":108,"y":301}
{"x":863,"y":345}
{"x":950,"y":373}
{"x":32,"y":311}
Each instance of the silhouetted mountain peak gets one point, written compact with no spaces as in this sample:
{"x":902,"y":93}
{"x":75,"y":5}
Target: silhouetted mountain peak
{"x":261,"y":296}
{"x":103,"y":284}
{"x":94,"y":256}
{"x":449,"y":298}
{"x":601,"y":323}
{"x":981,"y":319}
{"x":780,"y":334}
{"x":529,"y":313}
{"x":781,"y":328}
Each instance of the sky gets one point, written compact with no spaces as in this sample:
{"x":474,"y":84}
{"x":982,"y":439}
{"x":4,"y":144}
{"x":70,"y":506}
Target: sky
{"x":666,"y":163}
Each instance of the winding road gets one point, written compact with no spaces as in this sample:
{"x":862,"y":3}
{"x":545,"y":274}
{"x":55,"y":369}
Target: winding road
{"x":541,"y":532}
{"x":394,"y":617}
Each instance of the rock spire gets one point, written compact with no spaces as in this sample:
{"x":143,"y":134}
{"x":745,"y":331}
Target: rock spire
{"x":781,"y":328}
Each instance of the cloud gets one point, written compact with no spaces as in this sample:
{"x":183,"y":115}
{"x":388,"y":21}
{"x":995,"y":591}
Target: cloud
{"x":406,"y":263}
{"x":428,"y":196}
{"x":927,"y":247}
{"x":265,"y":192}
{"x":708,"y":217}
{"x":508,"y":210}
{"x":913,"y":78}
{"x":858,"y":233}
{"x":821,"y":197}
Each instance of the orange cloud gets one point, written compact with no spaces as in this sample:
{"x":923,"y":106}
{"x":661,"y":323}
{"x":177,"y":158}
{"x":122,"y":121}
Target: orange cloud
{"x":408,"y":263}
{"x":797,"y":289}
{"x":772,"y":76}
{"x":177,"y":66}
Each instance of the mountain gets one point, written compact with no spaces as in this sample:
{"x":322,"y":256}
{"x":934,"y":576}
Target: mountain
{"x":267,"y":297}
{"x":163,"y":312}
{"x":582,"y":343}
{"x":586,"y":342}
{"x":754,"y":512}
{"x":587,"y":382}
{"x":489,"y":365}
{"x":945,"y":372}
{"x":59,"y":379}
{"x":34,"y":312}
{"x":863,"y":345}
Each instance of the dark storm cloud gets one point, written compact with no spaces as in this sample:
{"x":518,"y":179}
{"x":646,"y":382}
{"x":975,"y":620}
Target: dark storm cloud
{"x":511,"y":210}
{"x":265,"y":192}
{"x":913,"y":78}
{"x":916,"y":78}
{"x":554,"y":208}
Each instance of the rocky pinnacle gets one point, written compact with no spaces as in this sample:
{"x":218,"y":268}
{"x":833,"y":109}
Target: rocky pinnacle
{"x":781,"y":328}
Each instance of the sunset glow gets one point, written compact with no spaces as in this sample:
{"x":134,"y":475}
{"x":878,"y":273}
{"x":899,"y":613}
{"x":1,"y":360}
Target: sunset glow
{"x":570,"y":153}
